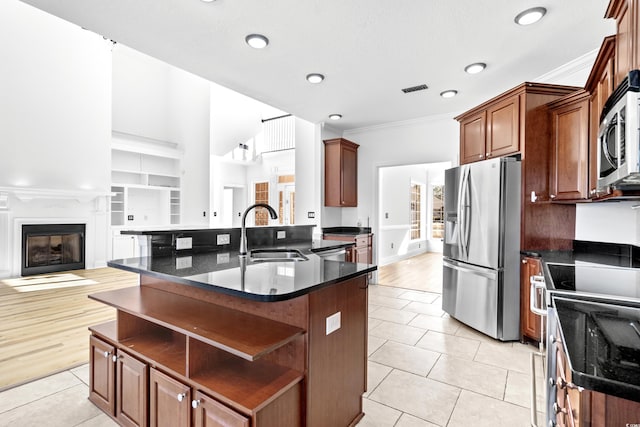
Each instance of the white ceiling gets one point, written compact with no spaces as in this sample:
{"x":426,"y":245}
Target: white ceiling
{"x":367,"y":49}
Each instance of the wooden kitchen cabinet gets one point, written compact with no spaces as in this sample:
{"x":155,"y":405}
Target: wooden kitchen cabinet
{"x":491,"y":132}
{"x":530,"y":327}
{"x":517,"y":123}
{"x":569,"y":170}
{"x":600,"y":84}
{"x":340,"y":173}
{"x":627,"y":45}
{"x":210,"y":413}
{"x":170,"y":401}
{"x":361,"y":252}
{"x":118,"y":381}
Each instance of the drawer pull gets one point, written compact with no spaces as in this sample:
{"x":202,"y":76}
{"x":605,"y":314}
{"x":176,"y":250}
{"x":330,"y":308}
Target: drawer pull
{"x":195,"y":404}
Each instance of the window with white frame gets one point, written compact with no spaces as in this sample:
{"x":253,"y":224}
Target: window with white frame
{"x":437,"y":222}
{"x":416,"y":223}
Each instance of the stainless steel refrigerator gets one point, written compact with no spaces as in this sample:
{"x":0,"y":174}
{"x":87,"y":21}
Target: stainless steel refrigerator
{"x":481,"y":264}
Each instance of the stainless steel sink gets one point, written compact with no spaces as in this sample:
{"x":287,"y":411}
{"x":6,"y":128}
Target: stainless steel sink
{"x":272,"y":255}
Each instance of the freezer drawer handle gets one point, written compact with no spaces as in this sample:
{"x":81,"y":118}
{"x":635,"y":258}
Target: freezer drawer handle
{"x":537,"y":285}
{"x":480,"y":272}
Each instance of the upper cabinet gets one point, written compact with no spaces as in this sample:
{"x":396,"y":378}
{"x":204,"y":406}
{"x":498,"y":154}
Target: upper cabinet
{"x":569,"y":168}
{"x":627,"y":45}
{"x":492,"y":131}
{"x":340,"y":173}
{"x":600,"y":85}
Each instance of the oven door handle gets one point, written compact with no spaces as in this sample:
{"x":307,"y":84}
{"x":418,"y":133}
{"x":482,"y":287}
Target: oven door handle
{"x":538,"y":286}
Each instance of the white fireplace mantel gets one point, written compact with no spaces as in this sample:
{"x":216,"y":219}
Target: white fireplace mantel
{"x":26,"y":194}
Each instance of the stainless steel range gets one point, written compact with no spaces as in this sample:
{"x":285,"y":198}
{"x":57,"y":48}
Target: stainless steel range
{"x":593,"y":284}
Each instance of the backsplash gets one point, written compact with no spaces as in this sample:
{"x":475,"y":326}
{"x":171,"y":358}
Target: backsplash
{"x":612,"y":222}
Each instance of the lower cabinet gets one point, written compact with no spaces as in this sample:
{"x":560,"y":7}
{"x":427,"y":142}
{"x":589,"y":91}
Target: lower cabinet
{"x":530,"y":327}
{"x":362,"y":252}
{"x":118,"y":383}
{"x":210,"y":413}
{"x":169,"y":401}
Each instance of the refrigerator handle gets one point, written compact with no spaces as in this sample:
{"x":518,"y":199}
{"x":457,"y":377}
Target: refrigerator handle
{"x":459,"y":240}
{"x":467,"y":217}
{"x":467,"y":268}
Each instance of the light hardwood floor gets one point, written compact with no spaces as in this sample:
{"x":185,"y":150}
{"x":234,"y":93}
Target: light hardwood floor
{"x":44,"y":320}
{"x":422,"y":272}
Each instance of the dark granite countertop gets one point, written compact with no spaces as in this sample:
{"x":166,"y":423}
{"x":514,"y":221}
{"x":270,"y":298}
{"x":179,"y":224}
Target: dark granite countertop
{"x":349,"y":231}
{"x":226,"y":272}
{"x":602,"y":344}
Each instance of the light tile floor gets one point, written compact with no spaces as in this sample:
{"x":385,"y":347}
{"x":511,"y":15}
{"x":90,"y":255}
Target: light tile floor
{"x":425,"y":369}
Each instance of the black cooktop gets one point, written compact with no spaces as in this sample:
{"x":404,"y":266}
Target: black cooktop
{"x":602,"y":341}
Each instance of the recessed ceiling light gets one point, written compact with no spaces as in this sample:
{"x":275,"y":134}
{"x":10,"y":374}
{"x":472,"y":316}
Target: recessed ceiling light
{"x":448,"y":93}
{"x":208,"y":1}
{"x":335,"y":116}
{"x":475,"y":68}
{"x":315,"y":78}
{"x":530,"y":16}
{"x":257,"y":41}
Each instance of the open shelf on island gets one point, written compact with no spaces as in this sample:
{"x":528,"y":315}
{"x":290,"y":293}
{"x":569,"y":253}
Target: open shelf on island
{"x":236,"y":381}
{"x":242,"y":334}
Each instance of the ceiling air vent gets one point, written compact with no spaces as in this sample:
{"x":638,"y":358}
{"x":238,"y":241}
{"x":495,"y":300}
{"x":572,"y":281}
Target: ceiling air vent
{"x":414,"y":88}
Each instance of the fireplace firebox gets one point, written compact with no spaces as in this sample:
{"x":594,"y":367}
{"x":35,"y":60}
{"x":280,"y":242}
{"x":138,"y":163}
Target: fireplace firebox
{"x":48,"y":248}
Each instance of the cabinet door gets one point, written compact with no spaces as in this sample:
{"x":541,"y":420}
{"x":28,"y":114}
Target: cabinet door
{"x":624,"y":43}
{"x":599,"y":96}
{"x":123,"y":247}
{"x":473,"y":138}
{"x":131,"y":395}
{"x":349,"y":181}
{"x":503,"y":127}
{"x":529,"y":322}
{"x":102,"y":375}
{"x":170,"y":401}
{"x":210,"y":413}
{"x":570,"y":151}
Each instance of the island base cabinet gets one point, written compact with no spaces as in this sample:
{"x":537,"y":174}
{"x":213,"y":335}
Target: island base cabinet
{"x":209,"y":413}
{"x":102,"y":375}
{"x":118,"y":383}
{"x":170,"y":401}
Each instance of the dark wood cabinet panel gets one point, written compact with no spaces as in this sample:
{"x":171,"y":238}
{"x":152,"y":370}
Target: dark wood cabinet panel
{"x":170,"y":401}
{"x":625,"y":46}
{"x":600,"y":85}
{"x":530,"y":327}
{"x":210,"y":413}
{"x":131,"y":396}
{"x":570,"y":147}
{"x":102,"y":375}
{"x":503,"y":126}
{"x":340,"y":173}
{"x":340,"y":354}
{"x":473,"y":136}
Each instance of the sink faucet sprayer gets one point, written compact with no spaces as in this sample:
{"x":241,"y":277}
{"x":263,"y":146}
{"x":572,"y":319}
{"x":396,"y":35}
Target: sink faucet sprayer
{"x":243,"y":230}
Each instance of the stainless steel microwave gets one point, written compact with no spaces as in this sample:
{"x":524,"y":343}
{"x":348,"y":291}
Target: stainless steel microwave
{"x":619,"y":137}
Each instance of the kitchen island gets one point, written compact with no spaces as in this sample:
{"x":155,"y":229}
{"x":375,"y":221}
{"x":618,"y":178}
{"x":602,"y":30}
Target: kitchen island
{"x":212,"y":338}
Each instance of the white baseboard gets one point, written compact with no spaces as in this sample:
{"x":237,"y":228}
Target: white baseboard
{"x":396,"y":258}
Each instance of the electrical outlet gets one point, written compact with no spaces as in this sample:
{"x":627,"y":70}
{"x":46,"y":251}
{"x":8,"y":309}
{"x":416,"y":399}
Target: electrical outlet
{"x":184,"y":262}
{"x":311,"y":214}
{"x":204,"y":213}
{"x":129,"y":217}
{"x":392,"y":246}
{"x":281,"y":234}
{"x":222,"y":239}
{"x":222,"y":258}
{"x":333,"y":323}
{"x":184,"y":243}
{"x":386,"y":215}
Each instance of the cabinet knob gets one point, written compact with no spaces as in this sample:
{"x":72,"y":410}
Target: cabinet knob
{"x":115,"y":358}
{"x":524,"y":261}
{"x":195,"y":403}
{"x":181,"y":396}
{"x":553,"y":196}
{"x":107,"y":354}
{"x":488,"y":154}
{"x":557,"y":408}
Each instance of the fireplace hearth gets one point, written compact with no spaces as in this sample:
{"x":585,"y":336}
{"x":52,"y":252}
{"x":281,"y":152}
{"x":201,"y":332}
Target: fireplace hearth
{"x":48,"y":248}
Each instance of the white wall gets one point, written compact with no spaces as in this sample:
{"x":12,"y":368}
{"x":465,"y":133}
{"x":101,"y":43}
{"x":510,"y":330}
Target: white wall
{"x":55,"y":102}
{"x":613,"y":222}
{"x":55,"y":128}
{"x":155,"y":100}
{"x":428,"y":140}
{"x":309,"y":167}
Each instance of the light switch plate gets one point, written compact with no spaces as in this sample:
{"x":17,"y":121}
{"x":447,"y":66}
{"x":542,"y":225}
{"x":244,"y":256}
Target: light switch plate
{"x":184,"y":243}
{"x":333,"y":323}
{"x":222,"y":239}
{"x":281,"y":234}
